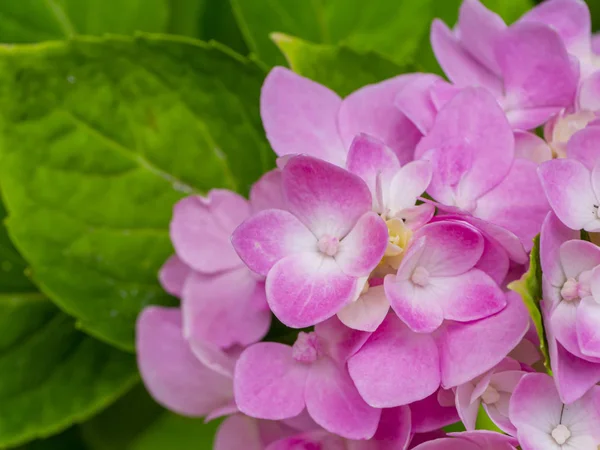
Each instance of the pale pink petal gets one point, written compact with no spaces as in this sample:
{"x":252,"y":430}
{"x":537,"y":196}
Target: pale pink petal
{"x":471,"y":148}
{"x":269,"y":236}
{"x":417,"y":216}
{"x":408,"y":184}
{"x":223,"y":411}
{"x":554,"y":234}
{"x":464,"y":355}
{"x":488,"y":439}
{"x":338,"y":341}
{"x":494,"y":261}
{"x":367,"y":312}
{"x":269,"y":383}
{"x":466,"y":407}
{"x":506,"y":206}
{"x":583,"y":146}
{"x":529,"y":118}
{"x":266,"y":193}
{"x":588,"y":327}
{"x":201,"y":228}
{"x":396,"y":366}
{"x":394,"y":431}
{"x":371,"y":110}
{"x":362,"y":249}
{"x":460,"y":67}
{"x":414,"y":100}
{"x":173,"y":274}
{"x":498,"y":413}
{"x":214,"y":357}
{"x":535,"y":402}
{"x":588,"y":97}
{"x":239,"y":431}
{"x":225,"y":309}
{"x":307,"y":288}
{"x":577,"y":256}
{"x":531,"y":147}
{"x":442,"y":92}
{"x":334,"y":403}
{"x":300,"y":116}
{"x":538,"y":72}
{"x":569,"y":190}
{"x":429,"y":415}
{"x":327,"y":199}
{"x":478,"y":29}
{"x":448,"y":444}
{"x":318,"y":439}
{"x":171,"y":372}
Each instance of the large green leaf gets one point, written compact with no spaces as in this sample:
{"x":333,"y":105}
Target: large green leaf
{"x":331,"y":65}
{"x":39,"y":20}
{"x":98,"y":140}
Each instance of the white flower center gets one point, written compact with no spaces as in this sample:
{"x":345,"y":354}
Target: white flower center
{"x":420,"y":276}
{"x":561,"y":434}
{"x":328,"y":245}
{"x":490,"y":396}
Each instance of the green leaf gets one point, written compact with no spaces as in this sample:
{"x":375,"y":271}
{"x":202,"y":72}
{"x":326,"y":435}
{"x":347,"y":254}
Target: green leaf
{"x":185,"y":17}
{"x":530,"y":289}
{"x":40,"y":20}
{"x":67,"y":440}
{"x":331,"y":65}
{"x":98,"y":139}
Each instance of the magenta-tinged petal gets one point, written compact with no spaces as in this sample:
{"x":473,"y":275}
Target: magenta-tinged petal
{"x":448,"y":444}
{"x":554,"y":234}
{"x":300,"y":116}
{"x":318,"y":439}
{"x":307,"y":288}
{"x":171,"y":373}
{"x":460,"y":67}
{"x":417,"y":216}
{"x":371,"y":110}
{"x":494,"y":261}
{"x":173,"y":274}
{"x":535,"y":402}
{"x":569,"y":190}
{"x":588,"y":97}
{"x":367,"y":312}
{"x":478,"y":29}
{"x":414,"y":100}
{"x":471,"y":148}
{"x":583,"y":146}
{"x":269,"y":383}
{"x":334,"y":403}
{"x":362,"y":249}
{"x":578,"y":256}
{"x":429,"y":415}
{"x":269,"y":236}
{"x":408,"y":184}
{"x":225,"y":309}
{"x":569,"y":18}
{"x":467,"y":408}
{"x":327,"y":199}
{"x":396,"y":366}
{"x":488,"y":439}
{"x":531,"y":147}
{"x":266,"y":193}
{"x":201,"y":227}
{"x":464,"y":355}
{"x":588,"y":327}
{"x":239,"y":431}
{"x":338,"y":341}
{"x":505,"y":205}
{"x":529,"y":118}
{"x":538,"y":72}
{"x":394,"y":431}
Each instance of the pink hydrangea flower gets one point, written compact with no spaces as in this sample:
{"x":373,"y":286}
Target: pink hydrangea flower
{"x":397,"y":366}
{"x":544,"y":422}
{"x":471,"y":440}
{"x":304,"y":117}
{"x":317,"y":253}
{"x":275,"y":381}
{"x":471,"y":149}
{"x":437,"y":279}
{"x":492,"y":390}
{"x":525,"y":66}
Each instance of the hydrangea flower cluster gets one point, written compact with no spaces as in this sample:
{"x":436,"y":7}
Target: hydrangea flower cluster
{"x":380,"y":251}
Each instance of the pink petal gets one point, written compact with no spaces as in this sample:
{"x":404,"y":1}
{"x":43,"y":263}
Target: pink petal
{"x":408,"y":184}
{"x":239,"y":431}
{"x":173,"y":274}
{"x":578,"y":256}
{"x":300,"y":116}
{"x":307,"y":288}
{"x":529,"y":118}
{"x":417,"y":216}
{"x":589,"y":93}
{"x":531,"y":147}
{"x":448,"y":444}
{"x":225,"y":309}
{"x":327,"y":199}
{"x":414,"y":100}
{"x":362,"y":249}
{"x":535,"y":402}
{"x":269,"y":383}
{"x":538,"y":72}
{"x":488,"y":439}
{"x":494,"y":261}
{"x":319,"y":439}
{"x":171,"y":373}
{"x":428,"y":415}
{"x":334,"y":403}
{"x":554,"y":234}
{"x":367,"y":312}
{"x":371,"y":110}
{"x":478,"y":29}
{"x":338,"y":341}
{"x":569,"y":190}
{"x":396,"y":366}
{"x":201,"y":228}
{"x":583,"y":146}
{"x":467,"y":408}
{"x":588,"y":327}
{"x":462,"y":171}
{"x":505,"y":205}
{"x":464,"y":355}
{"x":393,"y":433}
{"x":269,"y":236}
{"x":596,"y":43}
{"x":266,"y":193}
{"x":460,"y":67}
